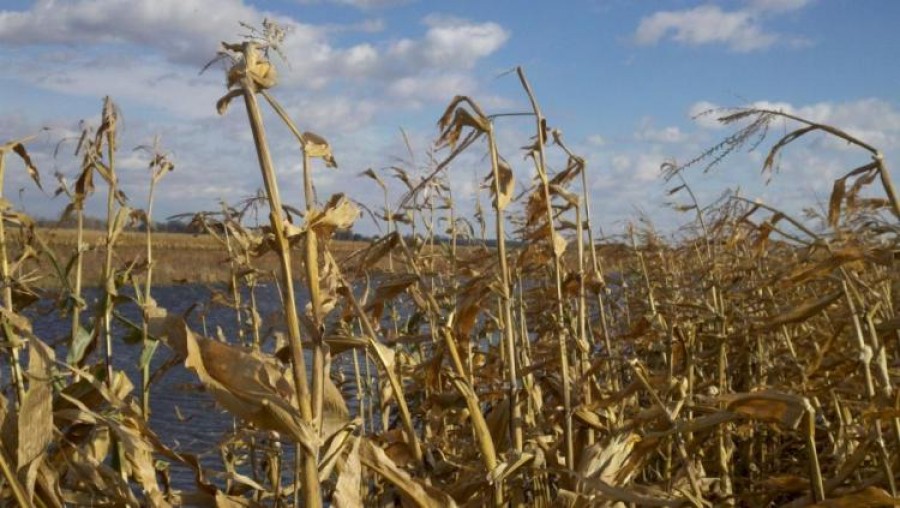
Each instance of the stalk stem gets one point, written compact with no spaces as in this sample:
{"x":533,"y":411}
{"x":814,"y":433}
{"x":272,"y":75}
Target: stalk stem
{"x":541,"y":167}
{"x":309,"y":478}
{"x":515,"y":420}
{"x":15,"y":367}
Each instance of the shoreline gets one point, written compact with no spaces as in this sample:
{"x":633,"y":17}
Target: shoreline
{"x":178,"y":258}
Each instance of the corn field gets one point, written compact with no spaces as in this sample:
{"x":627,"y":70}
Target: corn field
{"x":754,"y":362}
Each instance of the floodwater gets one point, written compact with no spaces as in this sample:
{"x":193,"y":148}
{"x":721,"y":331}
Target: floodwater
{"x":183,"y":415}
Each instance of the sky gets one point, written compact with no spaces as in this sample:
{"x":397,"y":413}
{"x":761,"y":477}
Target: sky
{"x":623,"y":80}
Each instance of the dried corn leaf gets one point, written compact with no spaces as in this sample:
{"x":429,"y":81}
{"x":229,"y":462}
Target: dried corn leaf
{"x":338,"y":213}
{"x":139,"y":457}
{"x":839,"y":257}
{"x":589,"y":419}
{"x":261,"y":73}
{"x":787,"y":483}
{"x":413,"y":491}
{"x":35,"y":417}
{"x":869,"y":497}
{"x":800,"y":312}
{"x":638,"y":496}
{"x":387,"y":290}
{"x":347,"y":488}
{"x":377,"y":250}
{"x":610,"y":461}
{"x":336,"y":414}
{"x":456,"y":118}
{"x":834,"y":202}
{"x":374,"y":176}
{"x":559,"y":244}
{"x":316,"y":146}
{"x":503,"y":189}
{"x":479,"y":425}
{"x":223,"y":500}
{"x":20,"y":150}
{"x":571,"y":198}
{"x":250,"y":385}
{"x":772,"y":407}
{"x":386,"y":356}
{"x":498,"y":423}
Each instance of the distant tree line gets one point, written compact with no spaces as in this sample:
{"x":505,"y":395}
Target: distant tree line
{"x":183,"y":226}
{"x":95,"y":223}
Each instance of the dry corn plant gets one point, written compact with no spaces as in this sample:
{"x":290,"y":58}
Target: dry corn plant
{"x":749,"y":361}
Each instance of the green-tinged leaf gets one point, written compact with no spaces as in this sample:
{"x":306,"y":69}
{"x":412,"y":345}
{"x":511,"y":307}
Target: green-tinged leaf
{"x":147,"y":353}
{"x":78,"y":347}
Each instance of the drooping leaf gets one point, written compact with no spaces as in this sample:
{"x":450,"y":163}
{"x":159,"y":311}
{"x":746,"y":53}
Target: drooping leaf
{"x":20,"y":150}
{"x":371,"y":174}
{"x":347,"y":487}
{"x":503,"y":189}
{"x":613,"y":461}
{"x":773,"y":407}
{"x":801,"y":312}
{"x":413,"y":491}
{"x":338,"y":213}
{"x":35,"y":429}
{"x":251,"y":385}
{"x":869,"y":497}
{"x":316,"y":146}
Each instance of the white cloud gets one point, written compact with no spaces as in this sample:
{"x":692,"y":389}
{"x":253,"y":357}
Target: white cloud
{"x":146,"y":54}
{"x":704,"y":114}
{"x":329,"y":113}
{"x":362,"y":4}
{"x":440,"y":87}
{"x":596,"y":140}
{"x":450,"y":43}
{"x":153,"y":48}
{"x":645,"y":167}
{"x":621,"y":163}
{"x":626,"y":169}
{"x":777,"y":5}
{"x":740,"y":30}
{"x":874,"y":121}
{"x":648,"y":132}
{"x":372,"y":4}
{"x":186,"y":31}
{"x":143,"y":81}
{"x":704,"y":25}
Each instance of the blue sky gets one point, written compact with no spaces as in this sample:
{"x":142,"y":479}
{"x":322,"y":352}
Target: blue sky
{"x":621,"y":79}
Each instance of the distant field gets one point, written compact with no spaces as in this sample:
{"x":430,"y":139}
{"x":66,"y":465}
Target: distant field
{"x":178,"y":257}
{"x":200,"y":258}
{"x":67,"y":237}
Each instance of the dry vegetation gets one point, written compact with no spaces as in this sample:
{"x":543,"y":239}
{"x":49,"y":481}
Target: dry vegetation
{"x":753,"y":363}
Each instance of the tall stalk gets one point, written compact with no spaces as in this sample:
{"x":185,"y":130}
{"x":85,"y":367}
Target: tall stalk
{"x":541,"y":167}
{"x":78,"y":194}
{"x":582,"y":318}
{"x":77,"y":302}
{"x":309,"y":143}
{"x":311,"y":263}
{"x":506,"y":301}
{"x":312,"y":495}
{"x":160,"y":166}
{"x":11,"y":339}
{"x":108,"y":131}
